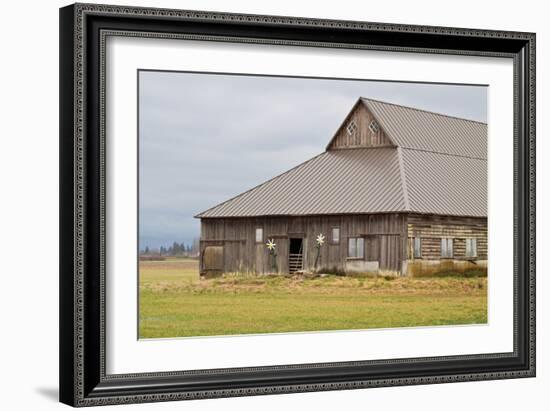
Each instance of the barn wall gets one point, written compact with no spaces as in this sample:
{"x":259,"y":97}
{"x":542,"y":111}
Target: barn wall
{"x":431,"y":229}
{"x":363,"y":137}
{"x":384,"y":234}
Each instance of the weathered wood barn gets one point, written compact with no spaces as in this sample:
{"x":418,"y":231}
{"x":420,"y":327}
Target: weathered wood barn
{"x":397,"y":189}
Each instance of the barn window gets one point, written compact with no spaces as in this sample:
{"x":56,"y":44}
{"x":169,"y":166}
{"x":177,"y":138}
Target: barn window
{"x":447,"y":247}
{"x":356,"y":247}
{"x":373,"y":127}
{"x":259,"y":235}
{"x":417,"y":247}
{"x":471,"y":247}
{"x":335,"y":237}
{"x":352,"y":127}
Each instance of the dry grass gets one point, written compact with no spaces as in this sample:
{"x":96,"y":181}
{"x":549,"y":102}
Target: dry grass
{"x":175,"y":302}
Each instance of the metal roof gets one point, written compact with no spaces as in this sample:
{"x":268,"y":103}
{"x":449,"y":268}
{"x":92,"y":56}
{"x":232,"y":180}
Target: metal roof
{"x":438,"y":166}
{"x":334,"y":182}
{"x":409,"y":127}
{"x":445,"y":184}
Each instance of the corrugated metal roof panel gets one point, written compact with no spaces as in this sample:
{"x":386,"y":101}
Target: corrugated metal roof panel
{"x":409,"y":127}
{"x":334,"y":182}
{"x":445,"y":184}
{"x":438,"y":167}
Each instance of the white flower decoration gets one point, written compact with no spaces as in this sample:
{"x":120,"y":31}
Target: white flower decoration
{"x":320,"y":239}
{"x":271,"y":245}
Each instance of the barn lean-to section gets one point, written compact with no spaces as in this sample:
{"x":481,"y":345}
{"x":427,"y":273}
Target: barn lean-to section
{"x":396,"y":190}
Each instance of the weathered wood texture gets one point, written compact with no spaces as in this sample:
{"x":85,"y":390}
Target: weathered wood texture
{"x":363,"y":136}
{"x":385,"y":241}
{"x":214,"y":257}
{"x":432,"y":228}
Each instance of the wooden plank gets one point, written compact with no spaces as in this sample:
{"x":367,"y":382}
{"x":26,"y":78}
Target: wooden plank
{"x":432,"y":228}
{"x":254,"y":257}
{"x":363,"y":136}
{"x":213,"y":258}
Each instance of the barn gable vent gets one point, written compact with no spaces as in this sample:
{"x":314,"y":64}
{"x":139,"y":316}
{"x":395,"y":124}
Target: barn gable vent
{"x":373,"y":126}
{"x":352,"y":127}
{"x":360,"y":129}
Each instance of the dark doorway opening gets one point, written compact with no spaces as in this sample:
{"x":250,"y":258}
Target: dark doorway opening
{"x":295,"y":255}
{"x":296,"y":245}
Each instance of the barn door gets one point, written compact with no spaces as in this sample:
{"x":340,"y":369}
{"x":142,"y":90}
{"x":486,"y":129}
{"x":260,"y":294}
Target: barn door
{"x":212,"y":258}
{"x":390,"y":252}
{"x":295,"y":255}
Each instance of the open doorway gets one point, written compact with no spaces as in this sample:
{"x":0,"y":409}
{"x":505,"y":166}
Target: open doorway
{"x":295,"y":255}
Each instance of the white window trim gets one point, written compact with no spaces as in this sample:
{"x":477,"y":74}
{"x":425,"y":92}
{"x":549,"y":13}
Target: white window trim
{"x":471,"y":247}
{"x":256,"y":235}
{"x":445,"y":248}
{"x":352,"y":127}
{"x":419,"y":255}
{"x":359,"y":251}
{"x":332,"y":240}
{"x":374,"y":127}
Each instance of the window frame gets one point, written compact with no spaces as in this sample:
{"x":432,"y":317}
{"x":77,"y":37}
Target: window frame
{"x":332,"y":241}
{"x":472,"y":247}
{"x":447,"y":241}
{"x":256,"y":235}
{"x":351,"y":128}
{"x":374,"y":127}
{"x":414,"y":249}
{"x":356,"y":256}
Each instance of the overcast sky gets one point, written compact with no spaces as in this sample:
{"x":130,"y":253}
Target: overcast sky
{"x":204,"y":138}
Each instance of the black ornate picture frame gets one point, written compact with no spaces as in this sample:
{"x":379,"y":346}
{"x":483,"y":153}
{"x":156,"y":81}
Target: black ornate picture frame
{"x":83,"y":31}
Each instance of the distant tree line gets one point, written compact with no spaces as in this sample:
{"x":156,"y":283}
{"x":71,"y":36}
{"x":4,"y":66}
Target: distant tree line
{"x":175,"y":250}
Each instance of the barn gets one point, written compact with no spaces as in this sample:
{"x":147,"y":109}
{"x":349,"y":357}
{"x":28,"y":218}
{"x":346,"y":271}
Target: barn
{"x":397,"y":190}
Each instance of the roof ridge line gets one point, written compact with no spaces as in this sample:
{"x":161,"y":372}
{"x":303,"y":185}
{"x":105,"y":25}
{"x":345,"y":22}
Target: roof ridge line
{"x":422,"y":110}
{"x":380,"y":123}
{"x":442,"y":153}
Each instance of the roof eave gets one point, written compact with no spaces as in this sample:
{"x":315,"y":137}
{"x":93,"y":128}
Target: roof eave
{"x":350,"y":214}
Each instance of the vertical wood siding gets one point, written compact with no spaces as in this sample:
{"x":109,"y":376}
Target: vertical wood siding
{"x":385,"y":240}
{"x":363,"y":137}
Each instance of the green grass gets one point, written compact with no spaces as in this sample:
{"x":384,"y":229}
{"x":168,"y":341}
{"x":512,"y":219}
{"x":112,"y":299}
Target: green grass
{"x":175,"y":303}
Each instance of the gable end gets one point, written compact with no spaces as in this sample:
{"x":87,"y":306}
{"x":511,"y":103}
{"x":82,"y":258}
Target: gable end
{"x":359,"y":129}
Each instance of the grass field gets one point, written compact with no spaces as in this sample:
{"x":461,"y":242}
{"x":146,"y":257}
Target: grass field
{"x":175,"y":303}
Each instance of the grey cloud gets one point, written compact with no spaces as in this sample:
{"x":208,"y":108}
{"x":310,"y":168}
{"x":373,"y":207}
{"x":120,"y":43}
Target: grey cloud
{"x":206,"y":137}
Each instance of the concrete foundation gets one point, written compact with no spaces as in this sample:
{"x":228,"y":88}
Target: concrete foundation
{"x":361,"y":266}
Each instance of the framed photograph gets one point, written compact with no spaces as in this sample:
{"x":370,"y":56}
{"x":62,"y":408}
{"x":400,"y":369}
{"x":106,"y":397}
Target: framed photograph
{"x":262,"y":204}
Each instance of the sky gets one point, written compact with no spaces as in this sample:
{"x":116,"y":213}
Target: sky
{"x":204,"y":138}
